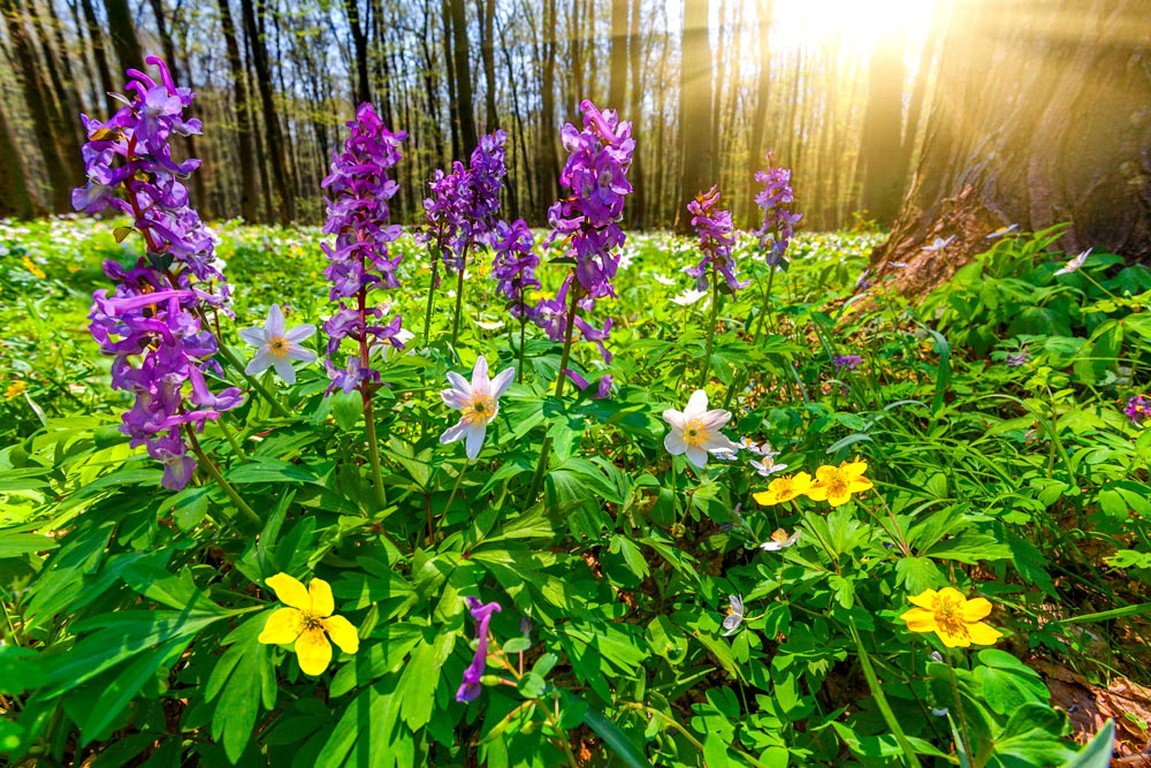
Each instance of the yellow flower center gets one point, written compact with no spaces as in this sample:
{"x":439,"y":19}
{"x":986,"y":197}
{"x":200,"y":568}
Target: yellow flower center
{"x":480,"y":409}
{"x":278,"y":346}
{"x":949,"y":617}
{"x":310,"y":621}
{"x":695,"y":433}
{"x":837,"y":485}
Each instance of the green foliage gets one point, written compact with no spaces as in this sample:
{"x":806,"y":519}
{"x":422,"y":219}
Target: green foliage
{"x":132,"y":615}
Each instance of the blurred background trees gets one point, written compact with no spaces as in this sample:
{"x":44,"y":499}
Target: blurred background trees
{"x":883,"y":108}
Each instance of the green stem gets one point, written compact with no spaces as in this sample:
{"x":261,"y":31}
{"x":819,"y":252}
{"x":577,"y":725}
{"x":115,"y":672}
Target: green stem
{"x":881,"y":700}
{"x":523,"y":327}
{"x":565,"y":358}
{"x":712,"y":321}
{"x":431,"y":297}
{"x":765,"y":310}
{"x":223,"y":422}
{"x":456,"y":487}
{"x":459,"y":293}
{"x":373,"y":445}
{"x":959,"y":712}
{"x":225,"y":486}
{"x":254,"y":383}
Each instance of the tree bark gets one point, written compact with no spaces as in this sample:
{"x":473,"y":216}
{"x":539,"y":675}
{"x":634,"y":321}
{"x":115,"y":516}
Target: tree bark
{"x":15,"y":196}
{"x":249,"y":202}
{"x":1035,"y":122}
{"x":99,"y":53}
{"x":617,"y":55}
{"x":363,"y":89}
{"x":758,"y":137}
{"x":549,"y":155}
{"x":487,"y":14}
{"x":274,"y":143}
{"x":122,"y":31}
{"x":695,"y":109}
{"x":636,"y":210}
{"x":461,"y":65}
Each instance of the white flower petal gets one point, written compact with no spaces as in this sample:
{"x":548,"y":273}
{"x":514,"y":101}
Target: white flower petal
{"x":284,"y":367}
{"x":716,"y":418}
{"x":260,"y":362}
{"x":480,"y":375}
{"x":502,"y":381}
{"x":254,"y":336}
{"x":696,"y":455}
{"x":674,"y":443}
{"x":675,"y":418}
{"x":300,"y":332}
{"x":454,"y":432}
{"x":274,"y":325}
{"x":296,"y":352}
{"x":697,"y":405}
{"x":475,"y":440}
{"x":459,"y":383}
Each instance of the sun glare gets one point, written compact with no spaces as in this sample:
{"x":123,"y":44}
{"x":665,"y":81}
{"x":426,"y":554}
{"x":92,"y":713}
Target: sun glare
{"x":853,"y":25}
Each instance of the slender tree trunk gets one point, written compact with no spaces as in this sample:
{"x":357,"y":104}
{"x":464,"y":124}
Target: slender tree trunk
{"x":122,"y":30}
{"x":549,"y":155}
{"x":695,"y":108}
{"x":249,"y":202}
{"x":636,"y":209}
{"x":880,"y":165}
{"x":363,"y":89}
{"x":99,"y":53}
{"x":461,"y":64}
{"x":15,"y":196}
{"x":274,"y":142}
{"x":60,"y":178}
{"x":758,"y":138}
{"x":487,"y":14}
{"x":617,"y":55}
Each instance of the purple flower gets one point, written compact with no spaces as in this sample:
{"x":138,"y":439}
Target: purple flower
{"x":603,"y":388}
{"x":482,"y":613}
{"x":359,"y":187}
{"x":778,"y":226}
{"x":1138,"y":409}
{"x":847,"y":362}
{"x":716,"y":238}
{"x":481,"y":194}
{"x":587,"y":220}
{"x":151,"y":321}
{"x":445,"y":214}
{"x":1017,"y":359}
{"x":514,"y":264}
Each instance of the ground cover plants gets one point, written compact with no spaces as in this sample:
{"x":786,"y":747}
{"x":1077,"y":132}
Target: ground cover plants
{"x":469,"y":494}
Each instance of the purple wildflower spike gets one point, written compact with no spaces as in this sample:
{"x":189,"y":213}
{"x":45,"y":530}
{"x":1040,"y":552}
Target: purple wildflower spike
{"x":482,"y":613}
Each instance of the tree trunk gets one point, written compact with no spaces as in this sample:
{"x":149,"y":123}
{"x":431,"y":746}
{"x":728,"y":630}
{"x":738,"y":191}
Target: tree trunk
{"x":758,"y":137}
{"x":60,"y":179}
{"x":636,"y":210}
{"x":487,"y":13}
{"x":15,"y":197}
{"x":249,"y":204}
{"x":461,"y":64}
{"x":274,"y":143}
{"x":122,"y":31}
{"x":1034,"y":123}
{"x":695,"y":109}
{"x":617,"y":55}
{"x":881,"y":169}
{"x":549,"y":155}
{"x":363,"y":89}
{"x":99,"y":53}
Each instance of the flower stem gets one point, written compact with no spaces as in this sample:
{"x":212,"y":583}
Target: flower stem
{"x":231,"y":436}
{"x":254,"y":383}
{"x":565,"y":358}
{"x":459,"y":292}
{"x":431,"y":297}
{"x":451,"y":498}
{"x":909,"y":755}
{"x":765,"y":310}
{"x":523,"y":330}
{"x":225,"y":486}
{"x":373,"y":444}
{"x":714,"y":318}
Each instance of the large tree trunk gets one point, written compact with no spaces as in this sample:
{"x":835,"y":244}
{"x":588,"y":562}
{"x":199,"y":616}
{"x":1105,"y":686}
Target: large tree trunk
{"x":636,"y":209}
{"x":549,"y":154}
{"x":881,"y":168}
{"x":487,"y":13}
{"x":96,"y":36}
{"x":15,"y":197}
{"x":695,"y":108}
{"x":461,"y":65}
{"x":617,"y":55}
{"x":1035,"y":122}
{"x":122,"y":30}
{"x":363,"y":88}
{"x":249,"y":203}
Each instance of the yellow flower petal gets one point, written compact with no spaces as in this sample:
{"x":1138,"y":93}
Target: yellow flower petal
{"x":925,"y":599}
{"x":853,"y":469}
{"x":343,"y":633}
{"x":817,"y":492}
{"x":951,"y":595}
{"x":976,"y":609}
{"x":919,"y":620}
{"x":322,"y":602}
{"x":983,"y":634}
{"x":290,"y":591}
{"x":766,"y":498}
{"x":826,"y":473}
{"x":953,"y":640}
{"x":839,"y":498}
{"x":801,"y":482}
{"x":859,"y":485}
{"x":313,"y":651}
{"x":282,"y":627}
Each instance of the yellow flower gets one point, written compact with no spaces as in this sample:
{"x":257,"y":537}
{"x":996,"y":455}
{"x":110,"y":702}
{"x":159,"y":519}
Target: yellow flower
{"x":14,"y":390}
{"x":305,"y":622}
{"x":783,"y":489}
{"x":31,"y":267}
{"x":836,"y":484}
{"x":955,"y":619}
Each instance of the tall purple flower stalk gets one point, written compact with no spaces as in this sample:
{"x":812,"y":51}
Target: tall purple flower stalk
{"x":514,"y":265}
{"x":587,"y":222}
{"x":482,"y":613}
{"x":716,"y":239}
{"x":779,"y":222}
{"x":152,"y":320}
{"x":359,"y":187}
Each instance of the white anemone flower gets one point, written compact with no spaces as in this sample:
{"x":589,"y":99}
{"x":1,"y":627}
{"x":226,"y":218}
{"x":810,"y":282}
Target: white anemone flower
{"x":1002,"y":231}
{"x":939,"y":244}
{"x":1074,"y":264}
{"x":767,"y":466}
{"x":662,"y":279}
{"x":734,"y":615}
{"x":695,"y":431}
{"x":278,"y":347}
{"x":689,"y":297}
{"x":779,"y":540}
{"x":477,"y":402}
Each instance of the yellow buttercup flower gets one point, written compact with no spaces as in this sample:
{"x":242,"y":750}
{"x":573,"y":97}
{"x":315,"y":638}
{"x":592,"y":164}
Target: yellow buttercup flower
{"x":836,"y":484}
{"x":950,"y":615}
{"x":308,"y":622}
{"x":15,"y":389}
{"x":783,"y":489}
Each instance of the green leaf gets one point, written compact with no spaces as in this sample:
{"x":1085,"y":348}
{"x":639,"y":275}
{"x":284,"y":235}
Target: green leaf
{"x":615,"y":739}
{"x":238,"y":683}
{"x":1097,"y":753}
{"x":16,"y":544}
